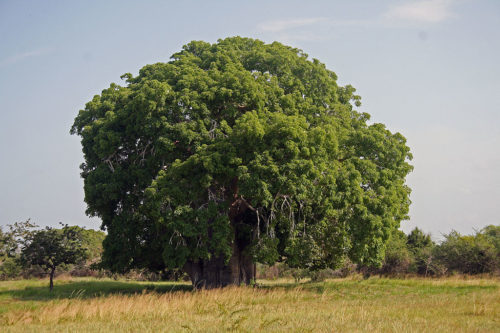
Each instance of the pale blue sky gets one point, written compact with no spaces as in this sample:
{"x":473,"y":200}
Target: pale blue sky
{"x":428,"y":69}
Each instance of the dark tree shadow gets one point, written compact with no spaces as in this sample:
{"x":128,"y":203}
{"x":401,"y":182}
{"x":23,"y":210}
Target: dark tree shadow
{"x":91,"y":289}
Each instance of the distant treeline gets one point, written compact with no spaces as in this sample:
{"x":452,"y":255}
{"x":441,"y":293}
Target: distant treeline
{"x":412,"y":254}
{"x":465,"y":254}
{"x":417,"y":254}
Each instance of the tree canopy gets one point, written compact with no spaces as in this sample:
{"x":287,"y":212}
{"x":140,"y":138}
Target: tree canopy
{"x":234,"y":153}
{"x":50,"y":248}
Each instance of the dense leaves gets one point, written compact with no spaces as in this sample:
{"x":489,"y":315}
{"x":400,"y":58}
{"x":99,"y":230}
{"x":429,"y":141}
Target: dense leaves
{"x":11,"y":241}
{"x":16,"y":241}
{"x":469,"y":254}
{"x":239,"y":142}
{"x":398,"y":258}
{"x":456,"y":253}
{"x":50,"y":248}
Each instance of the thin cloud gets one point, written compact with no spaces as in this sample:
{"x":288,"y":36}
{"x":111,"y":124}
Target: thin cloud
{"x":320,"y":28}
{"x":431,"y":11}
{"x":287,"y":24}
{"x":21,"y":56}
{"x":292,"y":31}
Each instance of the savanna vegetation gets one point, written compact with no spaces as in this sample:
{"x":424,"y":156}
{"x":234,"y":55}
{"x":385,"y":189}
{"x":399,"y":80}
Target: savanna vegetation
{"x":466,"y":254}
{"x":29,"y":251}
{"x":457,"y":304}
{"x":243,"y":165}
{"x":415,"y":254}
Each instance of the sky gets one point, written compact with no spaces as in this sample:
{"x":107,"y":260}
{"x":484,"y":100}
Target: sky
{"x":428,"y":69}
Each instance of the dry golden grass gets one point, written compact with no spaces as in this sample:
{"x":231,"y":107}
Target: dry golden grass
{"x":382,"y":305}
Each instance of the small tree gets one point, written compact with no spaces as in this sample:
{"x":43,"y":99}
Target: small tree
{"x":10,"y":249}
{"x":421,"y":247}
{"x":11,"y":239}
{"x":417,"y":239}
{"x":397,"y":256}
{"x":492,"y":234}
{"x":49,"y":248}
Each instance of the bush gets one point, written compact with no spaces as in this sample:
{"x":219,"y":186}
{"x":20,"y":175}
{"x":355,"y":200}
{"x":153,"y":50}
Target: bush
{"x":492,"y":234}
{"x":397,"y":256}
{"x":468,"y":254}
{"x":299,"y":273}
{"x":421,"y":247}
{"x":347,"y":268}
{"x":270,"y":272}
{"x":323,"y":274}
{"x":9,"y":269}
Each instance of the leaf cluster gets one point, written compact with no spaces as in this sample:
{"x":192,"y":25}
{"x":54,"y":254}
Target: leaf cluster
{"x":50,"y":248}
{"x":467,"y":254}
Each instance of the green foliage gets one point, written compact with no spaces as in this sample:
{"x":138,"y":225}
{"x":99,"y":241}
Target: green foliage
{"x":9,"y":268}
{"x":472,"y":254}
{"x":50,"y":248}
{"x":12,"y":239}
{"x":266,"y":250}
{"x":397,"y":256}
{"x":417,"y":239}
{"x":417,"y":253}
{"x":91,"y":242}
{"x":421,"y":247}
{"x":239,"y":142}
{"x":22,"y":243}
{"x":5,"y":245}
{"x":492,"y":234}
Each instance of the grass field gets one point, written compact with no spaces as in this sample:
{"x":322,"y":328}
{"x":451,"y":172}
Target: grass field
{"x":397,"y":305}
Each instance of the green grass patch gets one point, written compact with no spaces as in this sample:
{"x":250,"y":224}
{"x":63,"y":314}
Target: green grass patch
{"x":355,"y":304}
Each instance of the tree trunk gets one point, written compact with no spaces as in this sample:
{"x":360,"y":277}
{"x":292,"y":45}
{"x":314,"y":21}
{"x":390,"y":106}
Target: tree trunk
{"x":215,"y":273}
{"x":52,"y":271}
{"x":240,"y":269}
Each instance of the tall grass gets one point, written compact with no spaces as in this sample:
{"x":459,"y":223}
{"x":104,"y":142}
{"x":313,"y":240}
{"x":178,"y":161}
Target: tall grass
{"x":413,"y":305}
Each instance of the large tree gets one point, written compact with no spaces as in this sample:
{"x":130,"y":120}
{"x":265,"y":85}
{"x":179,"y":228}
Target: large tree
{"x":234,"y":153}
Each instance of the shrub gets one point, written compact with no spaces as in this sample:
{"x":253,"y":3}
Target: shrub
{"x":270,"y":272}
{"x":468,"y":254}
{"x":9,"y":269}
{"x":397,"y":256}
{"x":323,"y":274}
{"x":421,"y":247}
